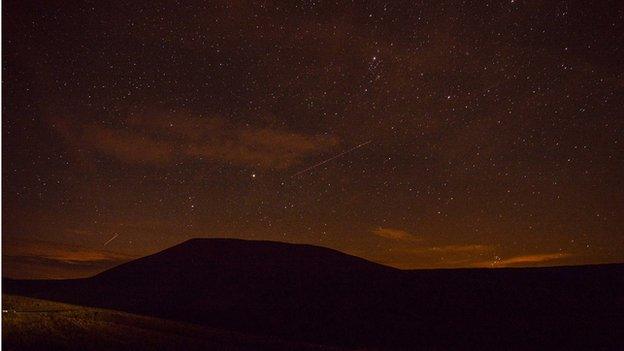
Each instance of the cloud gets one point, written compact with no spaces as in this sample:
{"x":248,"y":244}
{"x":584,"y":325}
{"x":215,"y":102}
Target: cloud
{"x":265,"y":148}
{"x":167,"y":139}
{"x":402,"y":255}
{"x":408,"y":251}
{"x":450,"y":254}
{"x":44,"y":260}
{"x":471,"y":248}
{"x":529,"y":259}
{"x":59,"y":252}
{"x":128,"y":147}
{"x":394,"y":234}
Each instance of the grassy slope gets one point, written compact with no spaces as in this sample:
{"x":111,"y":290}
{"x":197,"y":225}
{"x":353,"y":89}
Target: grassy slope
{"x":32,"y":324}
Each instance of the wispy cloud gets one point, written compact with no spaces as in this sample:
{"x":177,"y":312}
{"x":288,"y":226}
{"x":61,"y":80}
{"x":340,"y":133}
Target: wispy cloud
{"x":164,"y":140}
{"x":395,"y":234}
{"x":59,"y":252}
{"x":406,"y":250}
{"x":423,"y":255}
{"x":127,"y":146}
{"x":266,"y":148}
{"x":455,"y":249}
{"x":529,"y":259}
{"x":40,"y":259}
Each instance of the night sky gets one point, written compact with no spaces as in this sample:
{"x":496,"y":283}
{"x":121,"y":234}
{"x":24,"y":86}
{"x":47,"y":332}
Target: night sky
{"x":456,"y":134}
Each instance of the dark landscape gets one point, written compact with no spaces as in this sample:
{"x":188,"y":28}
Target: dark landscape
{"x":33,"y":324}
{"x":316,"y":295}
{"x":312,"y":175}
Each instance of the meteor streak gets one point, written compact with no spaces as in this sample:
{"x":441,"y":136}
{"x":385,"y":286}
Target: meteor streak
{"x":332,"y":158}
{"x":111,"y":239}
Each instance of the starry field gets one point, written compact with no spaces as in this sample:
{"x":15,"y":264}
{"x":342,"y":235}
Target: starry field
{"x":414,"y":134}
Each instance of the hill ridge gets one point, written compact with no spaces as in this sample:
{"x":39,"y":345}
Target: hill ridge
{"x":315,"y":294}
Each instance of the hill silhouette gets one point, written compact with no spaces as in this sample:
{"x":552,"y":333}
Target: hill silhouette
{"x":314,"y":294}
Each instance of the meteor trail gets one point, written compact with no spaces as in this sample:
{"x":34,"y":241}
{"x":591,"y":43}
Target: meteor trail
{"x":332,"y":158}
{"x":111,"y":239}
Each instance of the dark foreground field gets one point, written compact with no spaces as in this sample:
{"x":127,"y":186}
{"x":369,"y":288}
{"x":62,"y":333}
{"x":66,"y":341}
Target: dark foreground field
{"x":316,"y":295}
{"x":33,"y":324}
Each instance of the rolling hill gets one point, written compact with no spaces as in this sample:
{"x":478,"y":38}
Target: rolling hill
{"x":29,"y":324}
{"x":314,"y":294}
